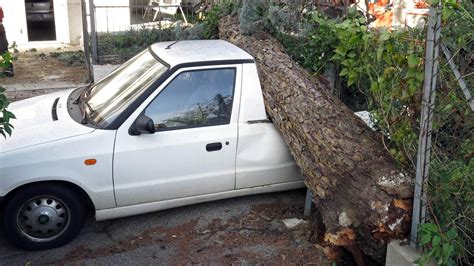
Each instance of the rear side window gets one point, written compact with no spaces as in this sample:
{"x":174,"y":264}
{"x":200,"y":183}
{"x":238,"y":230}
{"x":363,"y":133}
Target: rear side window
{"x":194,"y":99}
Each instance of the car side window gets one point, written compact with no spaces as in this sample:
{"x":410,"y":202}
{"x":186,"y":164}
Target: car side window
{"x":194,"y":99}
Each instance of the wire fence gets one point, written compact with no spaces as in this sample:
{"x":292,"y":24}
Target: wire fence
{"x":123,"y":30}
{"x":444,"y":195}
{"x":120,"y":29}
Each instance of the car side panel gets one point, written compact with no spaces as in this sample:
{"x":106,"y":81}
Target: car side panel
{"x":262,"y":156}
{"x":175,"y":164}
{"x":64,"y":161}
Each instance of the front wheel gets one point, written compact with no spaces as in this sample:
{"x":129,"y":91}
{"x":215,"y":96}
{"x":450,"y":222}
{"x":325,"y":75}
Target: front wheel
{"x":43,"y":216}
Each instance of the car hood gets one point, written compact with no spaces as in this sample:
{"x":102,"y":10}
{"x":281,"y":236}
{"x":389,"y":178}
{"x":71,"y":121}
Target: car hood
{"x":35,"y":122}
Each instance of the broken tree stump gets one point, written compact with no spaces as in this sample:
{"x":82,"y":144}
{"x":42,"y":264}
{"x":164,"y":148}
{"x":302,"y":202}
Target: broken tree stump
{"x":363,"y":200}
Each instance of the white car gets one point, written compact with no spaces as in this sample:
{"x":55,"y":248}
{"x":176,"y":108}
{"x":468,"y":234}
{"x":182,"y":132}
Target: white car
{"x":178,"y":124}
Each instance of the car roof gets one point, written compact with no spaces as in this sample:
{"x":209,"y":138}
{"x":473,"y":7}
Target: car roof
{"x":200,"y":52}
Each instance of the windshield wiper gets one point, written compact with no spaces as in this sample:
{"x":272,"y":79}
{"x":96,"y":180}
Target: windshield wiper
{"x":84,"y":117}
{"x":77,"y":100}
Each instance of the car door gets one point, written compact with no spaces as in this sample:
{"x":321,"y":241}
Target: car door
{"x":193,"y":149}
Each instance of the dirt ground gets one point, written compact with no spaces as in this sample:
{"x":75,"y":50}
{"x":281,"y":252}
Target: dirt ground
{"x":245,"y":230}
{"x":37,"y":65}
{"x":38,"y":71}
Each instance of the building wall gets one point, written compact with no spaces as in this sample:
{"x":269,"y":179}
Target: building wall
{"x":15,"y":21}
{"x":67,"y":15}
{"x":61,"y":19}
{"x":75,"y":21}
{"x":112,"y":15}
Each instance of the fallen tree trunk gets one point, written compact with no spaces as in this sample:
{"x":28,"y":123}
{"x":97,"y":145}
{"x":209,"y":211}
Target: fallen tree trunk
{"x":362,"y":199}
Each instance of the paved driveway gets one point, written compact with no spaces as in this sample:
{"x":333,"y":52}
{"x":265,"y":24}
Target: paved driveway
{"x":241,"y":230}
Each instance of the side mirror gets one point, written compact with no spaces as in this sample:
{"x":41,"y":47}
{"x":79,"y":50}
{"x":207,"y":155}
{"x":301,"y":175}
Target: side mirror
{"x":143,"y":125}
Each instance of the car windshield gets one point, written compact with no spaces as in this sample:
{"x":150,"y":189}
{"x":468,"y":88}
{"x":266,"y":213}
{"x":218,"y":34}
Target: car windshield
{"x":109,"y":97}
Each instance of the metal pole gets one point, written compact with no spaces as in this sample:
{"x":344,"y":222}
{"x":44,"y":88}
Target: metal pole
{"x":458,"y":76}
{"x":426,"y":121}
{"x":184,"y":16}
{"x":85,"y":38}
{"x":431,"y":110}
{"x":95,"y":57}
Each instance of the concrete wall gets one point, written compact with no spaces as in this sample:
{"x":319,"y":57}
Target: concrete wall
{"x":112,"y":15}
{"x":75,"y":21}
{"x":61,"y":19}
{"x":15,"y":21}
{"x":402,"y":254}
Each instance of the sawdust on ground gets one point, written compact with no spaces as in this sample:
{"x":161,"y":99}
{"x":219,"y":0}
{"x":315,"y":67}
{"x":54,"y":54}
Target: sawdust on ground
{"x":254,"y":237}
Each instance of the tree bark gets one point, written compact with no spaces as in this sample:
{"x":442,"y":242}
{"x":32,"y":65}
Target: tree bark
{"x":362,"y":198}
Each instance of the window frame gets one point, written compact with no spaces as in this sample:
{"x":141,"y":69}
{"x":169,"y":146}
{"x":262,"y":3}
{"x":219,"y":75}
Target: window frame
{"x":231,"y":108}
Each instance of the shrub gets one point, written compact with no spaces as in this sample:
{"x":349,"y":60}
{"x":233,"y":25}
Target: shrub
{"x":5,"y":115}
{"x":69,"y":58}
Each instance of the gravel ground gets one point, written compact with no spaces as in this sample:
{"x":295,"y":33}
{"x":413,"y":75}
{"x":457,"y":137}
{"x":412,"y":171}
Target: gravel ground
{"x":240,"y":230}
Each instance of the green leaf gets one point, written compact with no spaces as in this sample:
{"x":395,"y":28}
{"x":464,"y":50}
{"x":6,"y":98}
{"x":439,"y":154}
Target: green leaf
{"x":374,"y":87}
{"x":380,"y":52}
{"x":413,"y":60}
{"x":353,"y":74}
{"x":412,"y":88}
{"x":447,"y":250}
{"x":436,"y":241}
{"x":384,"y":36}
{"x":7,"y":115}
{"x":351,"y":81}
{"x":343,"y":72}
{"x":447,"y":108}
{"x":425,"y":239}
{"x":340,"y":50}
{"x":8,"y":130}
{"x":420,"y":76}
{"x":451,"y":234}
{"x":429,"y":227}
{"x":3,"y":99}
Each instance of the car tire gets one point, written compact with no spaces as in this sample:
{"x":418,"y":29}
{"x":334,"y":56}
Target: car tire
{"x":43,"y":216}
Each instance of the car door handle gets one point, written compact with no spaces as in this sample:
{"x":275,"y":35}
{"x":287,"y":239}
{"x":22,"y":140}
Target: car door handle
{"x":213,"y":146}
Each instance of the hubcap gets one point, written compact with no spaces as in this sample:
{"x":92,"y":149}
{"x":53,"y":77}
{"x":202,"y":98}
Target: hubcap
{"x":43,"y":219}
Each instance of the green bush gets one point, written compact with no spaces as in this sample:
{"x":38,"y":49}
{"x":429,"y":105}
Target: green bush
{"x":388,"y":68}
{"x":6,"y":116}
{"x":127,"y":44}
{"x":219,"y":10}
{"x":69,"y":58}
{"x":448,"y":236}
